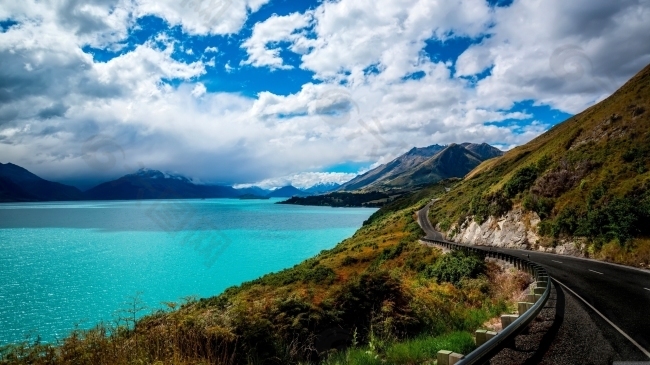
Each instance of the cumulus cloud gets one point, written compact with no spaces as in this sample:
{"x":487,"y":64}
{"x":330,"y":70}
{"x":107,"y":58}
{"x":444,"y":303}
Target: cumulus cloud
{"x":202,"y":16}
{"x":60,"y":108}
{"x":302,"y":180}
{"x":271,"y":31}
{"x":564,"y":54}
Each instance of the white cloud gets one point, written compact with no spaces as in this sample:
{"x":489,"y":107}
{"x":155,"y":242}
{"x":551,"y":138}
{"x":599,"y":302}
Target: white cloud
{"x":355,"y":34}
{"x":211,"y":50}
{"x":54,"y":97}
{"x":564,"y":54}
{"x":199,"y":90}
{"x":303,"y":180}
{"x":269,"y":32}
{"x":202,"y":16}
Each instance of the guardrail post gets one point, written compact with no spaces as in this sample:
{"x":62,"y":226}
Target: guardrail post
{"x":522,"y":307}
{"x":530,"y":298}
{"x":454,"y":358}
{"x":507,"y":319}
{"x":490,"y":335}
{"x":481,"y":337}
{"x":443,"y":357}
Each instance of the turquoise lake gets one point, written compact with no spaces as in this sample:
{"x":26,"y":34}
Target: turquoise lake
{"x":78,"y":263}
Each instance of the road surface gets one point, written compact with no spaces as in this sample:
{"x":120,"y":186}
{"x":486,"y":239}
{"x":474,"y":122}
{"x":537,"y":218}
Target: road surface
{"x":619,"y":294}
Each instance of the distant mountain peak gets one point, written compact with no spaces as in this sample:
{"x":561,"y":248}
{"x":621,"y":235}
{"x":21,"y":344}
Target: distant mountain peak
{"x":424,"y":165}
{"x":287,"y":192}
{"x":156,"y":174}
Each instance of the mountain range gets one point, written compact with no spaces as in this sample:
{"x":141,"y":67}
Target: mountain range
{"x":19,"y":185}
{"x":423,"y":166}
{"x":416,"y":167}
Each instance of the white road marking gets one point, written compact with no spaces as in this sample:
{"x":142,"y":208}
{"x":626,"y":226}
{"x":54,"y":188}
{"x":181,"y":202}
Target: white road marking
{"x":646,"y":352}
{"x":646,"y":289}
{"x":596,"y":272}
{"x":557,"y":261}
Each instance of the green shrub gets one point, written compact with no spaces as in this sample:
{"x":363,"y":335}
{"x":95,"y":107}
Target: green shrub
{"x":455,"y":267}
{"x":361,"y":298}
{"x":495,"y":204}
{"x":320,"y":274}
{"x":522,"y":180}
{"x":392,"y":252}
{"x":540,"y":205}
{"x":605,"y":218}
{"x":349,"y":260}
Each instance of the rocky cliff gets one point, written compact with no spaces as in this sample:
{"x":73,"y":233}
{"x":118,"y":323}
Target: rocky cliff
{"x":516,"y":229}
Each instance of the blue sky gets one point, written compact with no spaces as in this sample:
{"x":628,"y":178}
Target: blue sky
{"x":273,"y":92}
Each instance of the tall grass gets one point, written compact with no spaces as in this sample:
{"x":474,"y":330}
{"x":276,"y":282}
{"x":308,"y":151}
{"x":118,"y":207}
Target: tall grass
{"x":412,"y":351}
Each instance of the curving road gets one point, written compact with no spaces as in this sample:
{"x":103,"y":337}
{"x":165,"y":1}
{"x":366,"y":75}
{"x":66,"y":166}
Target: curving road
{"x":619,"y":295}
{"x":425,"y":223}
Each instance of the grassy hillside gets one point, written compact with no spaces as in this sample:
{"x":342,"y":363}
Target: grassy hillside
{"x":380,"y":293}
{"x":587,"y":178}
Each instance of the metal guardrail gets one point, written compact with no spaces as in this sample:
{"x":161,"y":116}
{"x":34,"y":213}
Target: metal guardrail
{"x":485,"y":352}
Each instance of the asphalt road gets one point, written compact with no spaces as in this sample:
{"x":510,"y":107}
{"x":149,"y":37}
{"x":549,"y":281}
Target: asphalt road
{"x":619,"y":293}
{"x":425,"y":223}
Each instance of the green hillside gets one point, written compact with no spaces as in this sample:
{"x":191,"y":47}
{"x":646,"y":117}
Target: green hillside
{"x":587,"y":178}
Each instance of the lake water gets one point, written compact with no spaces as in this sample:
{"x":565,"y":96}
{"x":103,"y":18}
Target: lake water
{"x":77,"y":263}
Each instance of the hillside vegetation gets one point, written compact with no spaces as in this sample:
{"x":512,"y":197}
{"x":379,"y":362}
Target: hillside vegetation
{"x":380,"y":294}
{"x":588,"y":179}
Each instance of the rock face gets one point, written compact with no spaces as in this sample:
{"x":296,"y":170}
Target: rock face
{"x":514,"y":230}
{"x":517,"y":229}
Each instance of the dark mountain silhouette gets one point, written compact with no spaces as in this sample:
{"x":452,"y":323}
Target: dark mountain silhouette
{"x":18,"y":184}
{"x":253,"y":190}
{"x":287,"y":192}
{"x":153,"y":184}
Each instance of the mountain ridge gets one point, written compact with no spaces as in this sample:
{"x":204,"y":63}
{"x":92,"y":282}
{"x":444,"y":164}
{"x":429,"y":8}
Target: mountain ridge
{"x":420,"y":166}
{"x":21,"y":185}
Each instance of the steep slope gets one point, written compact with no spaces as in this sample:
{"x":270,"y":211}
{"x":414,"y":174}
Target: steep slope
{"x":453,"y":161}
{"x":152,"y":184}
{"x":392,"y":169}
{"x":10,"y":192}
{"x":287,"y":192}
{"x":483,"y":150}
{"x":21,"y":185}
{"x":585,"y":183}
